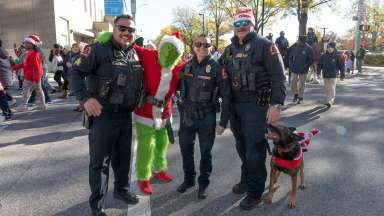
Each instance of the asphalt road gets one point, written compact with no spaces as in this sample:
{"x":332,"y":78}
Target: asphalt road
{"x":44,"y":162}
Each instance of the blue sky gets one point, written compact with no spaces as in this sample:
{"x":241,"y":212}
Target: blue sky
{"x":153,"y":15}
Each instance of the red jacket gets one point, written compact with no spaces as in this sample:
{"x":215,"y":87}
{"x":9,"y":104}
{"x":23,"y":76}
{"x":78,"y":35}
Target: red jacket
{"x":155,"y":81}
{"x":32,"y":66}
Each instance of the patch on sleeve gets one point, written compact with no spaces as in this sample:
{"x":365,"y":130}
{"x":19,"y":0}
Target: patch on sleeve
{"x":224,"y":74}
{"x":78,"y":62}
{"x":86,"y":52}
{"x":273,"y":49}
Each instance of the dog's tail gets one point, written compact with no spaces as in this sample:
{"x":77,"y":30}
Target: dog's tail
{"x":307,"y":137}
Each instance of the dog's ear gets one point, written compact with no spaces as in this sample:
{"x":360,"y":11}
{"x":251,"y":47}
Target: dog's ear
{"x":292,"y":129}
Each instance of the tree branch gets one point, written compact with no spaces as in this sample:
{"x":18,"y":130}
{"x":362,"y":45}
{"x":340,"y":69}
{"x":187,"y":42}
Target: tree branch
{"x":320,"y":3}
{"x":241,"y":2}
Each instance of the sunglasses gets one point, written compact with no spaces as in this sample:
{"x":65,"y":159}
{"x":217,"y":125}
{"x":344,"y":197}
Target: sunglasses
{"x":205,"y":45}
{"x":244,"y":23}
{"x":123,"y":29}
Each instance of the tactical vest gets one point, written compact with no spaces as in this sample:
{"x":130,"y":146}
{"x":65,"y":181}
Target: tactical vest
{"x":199,"y":86}
{"x":249,"y":77}
{"x":118,"y":79}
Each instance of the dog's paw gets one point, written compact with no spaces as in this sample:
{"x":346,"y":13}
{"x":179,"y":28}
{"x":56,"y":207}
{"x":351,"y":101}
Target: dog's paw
{"x":292,"y":204}
{"x":302,"y":187}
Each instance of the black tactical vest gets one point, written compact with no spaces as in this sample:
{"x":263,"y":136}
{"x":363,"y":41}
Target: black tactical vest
{"x":249,"y":77}
{"x":118,"y":79}
{"x":198,"y":83}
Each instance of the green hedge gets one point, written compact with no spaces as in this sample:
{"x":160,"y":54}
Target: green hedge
{"x":374,"y":59}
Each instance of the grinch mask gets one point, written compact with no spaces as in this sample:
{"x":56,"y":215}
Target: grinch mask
{"x":168,"y":55}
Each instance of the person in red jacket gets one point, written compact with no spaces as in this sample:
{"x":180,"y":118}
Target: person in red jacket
{"x":33,"y":72}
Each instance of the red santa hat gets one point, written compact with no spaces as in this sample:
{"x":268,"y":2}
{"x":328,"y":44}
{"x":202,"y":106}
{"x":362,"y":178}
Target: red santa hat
{"x":244,"y":13}
{"x":33,"y":39}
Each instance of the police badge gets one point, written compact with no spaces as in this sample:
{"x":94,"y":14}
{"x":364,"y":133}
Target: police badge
{"x":208,"y":69}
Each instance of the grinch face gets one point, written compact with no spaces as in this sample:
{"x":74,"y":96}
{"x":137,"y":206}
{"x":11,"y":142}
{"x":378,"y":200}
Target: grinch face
{"x":168,"y":55}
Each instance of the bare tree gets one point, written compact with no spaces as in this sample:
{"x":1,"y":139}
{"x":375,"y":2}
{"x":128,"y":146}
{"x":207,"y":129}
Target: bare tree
{"x":217,"y":18}
{"x":187,"y":20}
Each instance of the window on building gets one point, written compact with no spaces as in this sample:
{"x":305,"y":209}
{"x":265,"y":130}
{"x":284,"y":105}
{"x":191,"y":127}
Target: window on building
{"x":85,"y":5}
{"x":95,"y":10}
{"x":90,"y":8}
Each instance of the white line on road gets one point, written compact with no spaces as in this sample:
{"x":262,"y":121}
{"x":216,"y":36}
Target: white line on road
{"x":143,"y":208}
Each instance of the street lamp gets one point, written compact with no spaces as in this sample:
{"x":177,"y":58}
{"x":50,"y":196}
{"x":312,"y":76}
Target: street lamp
{"x":201,"y":14}
{"x":134,"y":8}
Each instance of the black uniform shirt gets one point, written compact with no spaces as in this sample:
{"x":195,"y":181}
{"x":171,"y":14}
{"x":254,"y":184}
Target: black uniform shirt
{"x":267,"y":55}
{"x":208,"y":69}
{"x":93,"y":56}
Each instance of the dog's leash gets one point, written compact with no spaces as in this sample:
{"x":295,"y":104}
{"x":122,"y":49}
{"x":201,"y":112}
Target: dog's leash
{"x":267,"y":143}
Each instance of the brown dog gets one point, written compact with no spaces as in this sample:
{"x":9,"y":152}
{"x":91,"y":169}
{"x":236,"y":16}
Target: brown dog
{"x":287,"y":157}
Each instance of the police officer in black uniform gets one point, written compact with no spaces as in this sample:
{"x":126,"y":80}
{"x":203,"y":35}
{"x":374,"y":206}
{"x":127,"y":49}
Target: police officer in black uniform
{"x":255,"y":71}
{"x":114,"y":79}
{"x":200,"y":86}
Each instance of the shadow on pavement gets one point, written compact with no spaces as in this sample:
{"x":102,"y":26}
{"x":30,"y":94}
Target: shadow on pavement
{"x":113,"y":207}
{"x":47,"y":138}
{"x":222,"y":205}
{"x":305,"y":117}
{"x":172,"y":202}
{"x":79,"y":209}
{"x":46,"y":118}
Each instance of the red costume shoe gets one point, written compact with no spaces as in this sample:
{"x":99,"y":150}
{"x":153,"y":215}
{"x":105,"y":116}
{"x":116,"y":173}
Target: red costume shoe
{"x":163,"y":176}
{"x":145,"y":187}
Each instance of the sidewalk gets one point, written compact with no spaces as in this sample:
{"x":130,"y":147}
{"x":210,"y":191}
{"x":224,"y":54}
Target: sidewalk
{"x":44,"y":162}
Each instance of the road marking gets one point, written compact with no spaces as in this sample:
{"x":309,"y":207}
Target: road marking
{"x":143,"y":208}
{"x":235,"y":205}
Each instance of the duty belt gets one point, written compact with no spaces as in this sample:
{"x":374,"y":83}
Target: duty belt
{"x":162,"y":103}
{"x":155,"y":102}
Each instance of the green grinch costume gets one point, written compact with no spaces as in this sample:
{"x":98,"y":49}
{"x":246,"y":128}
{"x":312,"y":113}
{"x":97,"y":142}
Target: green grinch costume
{"x":161,"y":72}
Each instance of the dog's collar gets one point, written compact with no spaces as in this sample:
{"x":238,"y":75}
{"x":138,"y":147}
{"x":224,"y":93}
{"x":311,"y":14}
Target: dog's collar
{"x":288,"y":164}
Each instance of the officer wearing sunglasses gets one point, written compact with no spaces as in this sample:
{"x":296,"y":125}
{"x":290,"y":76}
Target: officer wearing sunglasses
{"x":114,"y":81}
{"x":201,"y":85}
{"x":255,"y":71}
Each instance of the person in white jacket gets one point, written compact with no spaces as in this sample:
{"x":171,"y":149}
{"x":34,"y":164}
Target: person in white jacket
{"x":56,"y":65}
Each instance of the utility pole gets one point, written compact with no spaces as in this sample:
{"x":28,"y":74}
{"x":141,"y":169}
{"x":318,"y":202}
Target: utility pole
{"x":201,"y":14}
{"x":133,"y":9}
{"x":359,"y":20}
{"x":323,"y":30}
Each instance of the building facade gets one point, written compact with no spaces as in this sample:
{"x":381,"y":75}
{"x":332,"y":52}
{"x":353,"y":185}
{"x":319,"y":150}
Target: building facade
{"x":114,"y":7}
{"x":55,"y":21}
